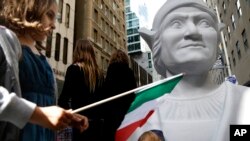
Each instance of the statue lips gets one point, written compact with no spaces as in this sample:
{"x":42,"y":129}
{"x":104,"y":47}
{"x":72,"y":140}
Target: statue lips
{"x":193,"y":45}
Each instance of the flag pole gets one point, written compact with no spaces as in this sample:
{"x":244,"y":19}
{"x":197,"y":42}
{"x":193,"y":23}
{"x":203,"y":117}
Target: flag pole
{"x":124,"y":94}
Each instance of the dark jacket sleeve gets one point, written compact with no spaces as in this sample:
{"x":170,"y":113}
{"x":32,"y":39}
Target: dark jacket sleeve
{"x":64,"y":98}
{"x":3,"y":66}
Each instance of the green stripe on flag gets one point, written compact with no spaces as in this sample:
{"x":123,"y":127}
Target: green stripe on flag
{"x":154,"y":92}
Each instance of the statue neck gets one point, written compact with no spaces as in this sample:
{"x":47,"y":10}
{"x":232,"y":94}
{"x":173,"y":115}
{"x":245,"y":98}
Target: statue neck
{"x":192,"y":86}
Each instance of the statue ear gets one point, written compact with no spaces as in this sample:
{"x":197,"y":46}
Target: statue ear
{"x":221,"y":26}
{"x":148,"y":36}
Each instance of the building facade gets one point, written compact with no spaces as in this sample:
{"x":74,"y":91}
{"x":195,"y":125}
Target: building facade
{"x":235,"y":14}
{"x":141,"y":62}
{"x":101,"y":21}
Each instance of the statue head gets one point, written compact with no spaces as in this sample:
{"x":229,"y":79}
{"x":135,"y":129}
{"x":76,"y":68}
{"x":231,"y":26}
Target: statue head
{"x":184,"y":34}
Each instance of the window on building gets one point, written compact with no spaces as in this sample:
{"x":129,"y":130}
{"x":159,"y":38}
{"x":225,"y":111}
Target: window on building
{"x":106,"y":45}
{"x":95,"y":35}
{"x":123,"y":27}
{"x":95,"y":16}
{"x":102,"y":59}
{"x":115,"y":36}
{"x":114,"y":20}
{"x":102,"y":42}
{"x":108,"y":31}
{"x":130,"y":39}
{"x":229,"y":59}
{"x":221,"y":18}
{"x":106,"y":11}
{"x":232,"y":53}
{"x":112,"y":2}
{"x":112,"y":33}
{"x":238,"y":8}
{"x":110,"y":16}
{"x":127,"y":9}
{"x":129,"y":31}
{"x":49,"y":45}
{"x":149,"y":55}
{"x":237,"y":45}
{"x":106,"y":27}
{"x":233,"y":21}
{"x":244,"y":38}
{"x":127,"y":2}
{"x":60,"y":11}
{"x":124,"y":44}
{"x":102,"y":4}
{"x":57,"y":49}
{"x":130,"y":47}
{"x":137,"y":46}
{"x":65,"y":50}
{"x":224,"y":7}
{"x":150,"y":64}
{"x":102,"y":23}
{"x":67,"y":15}
{"x":229,"y":32}
{"x":225,"y":38}
{"x":110,"y":49}
{"x":137,"y":38}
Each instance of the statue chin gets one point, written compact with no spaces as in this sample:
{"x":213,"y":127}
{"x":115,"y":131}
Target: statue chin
{"x":190,"y":68}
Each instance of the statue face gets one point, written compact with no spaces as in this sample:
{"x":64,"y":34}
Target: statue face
{"x":188,"y":40}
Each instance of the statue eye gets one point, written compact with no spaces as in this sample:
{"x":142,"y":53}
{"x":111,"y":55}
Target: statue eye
{"x":204,"y":23}
{"x":176,"y":24}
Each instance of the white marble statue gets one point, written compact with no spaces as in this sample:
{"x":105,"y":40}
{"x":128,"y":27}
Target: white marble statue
{"x":184,"y":39}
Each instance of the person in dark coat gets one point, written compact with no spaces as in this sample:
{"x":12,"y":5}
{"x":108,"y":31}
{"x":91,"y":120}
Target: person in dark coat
{"x":120,"y":78}
{"x":83,"y":83}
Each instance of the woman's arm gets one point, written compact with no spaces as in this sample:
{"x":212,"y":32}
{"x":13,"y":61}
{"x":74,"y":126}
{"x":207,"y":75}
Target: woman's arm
{"x":14,"y":109}
{"x":20,"y":111}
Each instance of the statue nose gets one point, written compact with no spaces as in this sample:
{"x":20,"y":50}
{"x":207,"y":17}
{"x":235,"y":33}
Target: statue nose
{"x":192,"y":31}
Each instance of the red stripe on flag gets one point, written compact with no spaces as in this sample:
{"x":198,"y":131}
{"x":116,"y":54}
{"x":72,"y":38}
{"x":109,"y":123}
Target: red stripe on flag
{"x":124,"y":133}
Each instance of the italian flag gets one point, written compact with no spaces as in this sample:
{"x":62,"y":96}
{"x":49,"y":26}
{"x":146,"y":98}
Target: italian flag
{"x":144,"y":106}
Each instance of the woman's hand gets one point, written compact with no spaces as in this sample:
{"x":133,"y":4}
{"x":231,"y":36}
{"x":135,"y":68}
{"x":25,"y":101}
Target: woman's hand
{"x":56,"y":118}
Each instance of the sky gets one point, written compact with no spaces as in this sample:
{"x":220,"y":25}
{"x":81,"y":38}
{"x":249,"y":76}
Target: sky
{"x":152,"y":7}
{"x":146,"y":7}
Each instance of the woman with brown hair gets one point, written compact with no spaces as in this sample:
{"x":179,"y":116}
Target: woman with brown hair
{"x":120,"y":78}
{"x":32,"y":21}
{"x":82,"y":85}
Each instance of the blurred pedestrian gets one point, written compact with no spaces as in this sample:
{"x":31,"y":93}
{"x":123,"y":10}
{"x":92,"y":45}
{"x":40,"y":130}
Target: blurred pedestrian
{"x":120,"y":78}
{"x":82,"y":86}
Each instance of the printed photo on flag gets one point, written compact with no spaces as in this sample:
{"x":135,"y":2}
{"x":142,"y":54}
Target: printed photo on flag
{"x":152,"y":135}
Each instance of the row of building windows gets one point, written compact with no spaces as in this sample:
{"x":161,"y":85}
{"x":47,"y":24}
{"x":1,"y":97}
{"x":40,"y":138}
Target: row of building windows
{"x":134,"y":46}
{"x":238,"y":49}
{"x":233,"y":17}
{"x":135,"y":38}
{"x":57,"y":48}
{"x":60,"y":13}
{"x":132,"y":23}
{"x":240,"y":41}
{"x":131,"y":31}
{"x":106,"y":44}
{"x":107,"y":29}
{"x":109,"y":13}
